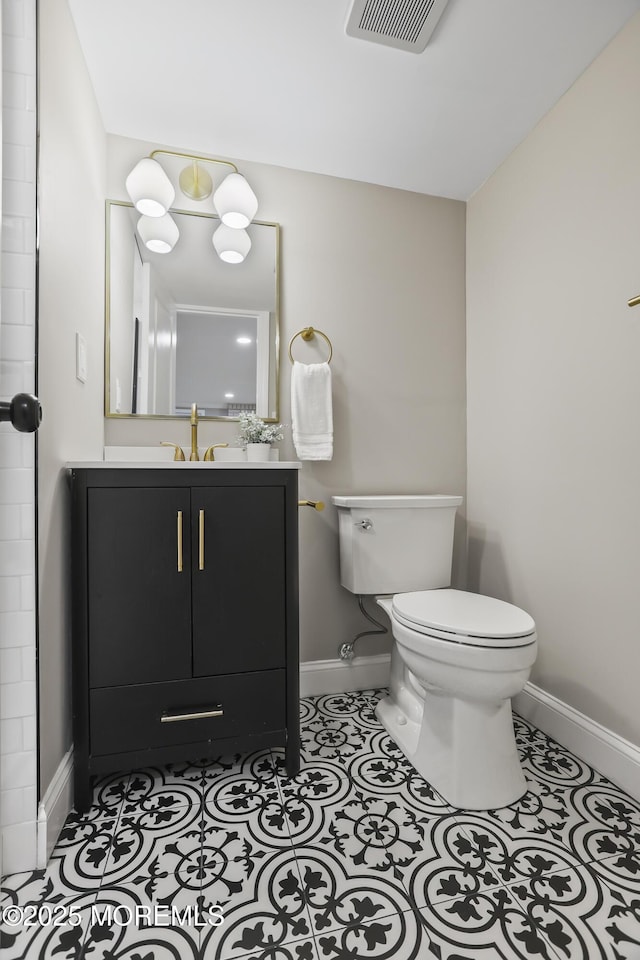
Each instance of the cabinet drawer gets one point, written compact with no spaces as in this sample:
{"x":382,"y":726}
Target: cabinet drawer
{"x":142,"y":716}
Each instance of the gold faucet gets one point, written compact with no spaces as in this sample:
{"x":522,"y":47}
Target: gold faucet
{"x":179,"y":453}
{"x":194,"y":432}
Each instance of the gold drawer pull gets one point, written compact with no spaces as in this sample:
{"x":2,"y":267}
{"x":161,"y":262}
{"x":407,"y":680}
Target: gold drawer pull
{"x":201,"y":540}
{"x":179,"y":535}
{"x":198,"y":715}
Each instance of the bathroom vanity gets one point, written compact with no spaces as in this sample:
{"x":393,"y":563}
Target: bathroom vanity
{"x":185,"y":614}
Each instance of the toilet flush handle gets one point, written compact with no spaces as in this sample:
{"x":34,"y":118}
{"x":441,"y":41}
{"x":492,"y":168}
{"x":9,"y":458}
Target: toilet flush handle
{"x":365,"y":524}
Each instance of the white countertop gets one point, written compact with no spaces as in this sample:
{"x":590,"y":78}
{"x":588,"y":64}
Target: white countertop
{"x":183,"y":465}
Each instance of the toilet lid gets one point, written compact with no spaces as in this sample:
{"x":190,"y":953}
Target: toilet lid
{"x":466,"y":617}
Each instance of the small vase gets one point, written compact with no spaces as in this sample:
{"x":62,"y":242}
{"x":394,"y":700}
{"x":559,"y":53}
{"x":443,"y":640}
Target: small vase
{"x":258,"y":451}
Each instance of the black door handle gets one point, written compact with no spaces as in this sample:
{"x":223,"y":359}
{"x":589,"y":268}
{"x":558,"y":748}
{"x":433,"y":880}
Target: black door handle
{"x":24,"y":412}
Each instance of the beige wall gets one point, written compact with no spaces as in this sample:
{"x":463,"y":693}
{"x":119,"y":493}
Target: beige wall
{"x":381,"y":271}
{"x":71,"y":185}
{"x":553,"y":254}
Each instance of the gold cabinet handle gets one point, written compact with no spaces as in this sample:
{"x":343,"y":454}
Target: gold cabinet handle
{"x":316,"y":504}
{"x":197,"y":715}
{"x":201,"y":540}
{"x":179,"y":540}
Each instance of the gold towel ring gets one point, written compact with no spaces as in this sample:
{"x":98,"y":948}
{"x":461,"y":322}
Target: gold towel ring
{"x":308,"y":334}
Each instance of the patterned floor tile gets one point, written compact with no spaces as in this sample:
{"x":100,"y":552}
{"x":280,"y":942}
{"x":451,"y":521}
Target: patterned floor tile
{"x":336,"y":741}
{"x":19,"y":889}
{"x":610,"y":824}
{"x":550,"y":763}
{"x":78,"y":862}
{"x":620,"y":873}
{"x":339,"y":893}
{"x":357,"y":707}
{"x":376,"y":833}
{"x":486,"y":926}
{"x":108,"y":793}
{"x":246,"y":813}
{"x":544,"y":811}
{"x":398,"y":937}
{"x":157,"y":855}
{"x":122,"y":928}
{"x":302,"y":950}
{"x":54,"y":932}
{"x":262,"y":905}
{"x":581,"y":916}
{"x":514,"y":855}
{"x":312,"y":800}
{"x":450,"y":864}
{"x":383,"y":769}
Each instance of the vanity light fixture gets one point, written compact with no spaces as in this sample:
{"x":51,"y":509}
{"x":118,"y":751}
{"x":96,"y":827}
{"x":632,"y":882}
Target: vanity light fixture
{"x":159,"y":234}
{"x":231,"y":245}
{"x":235,"y":202}
{"x":152,"y":194}
{"x":150,"y":189}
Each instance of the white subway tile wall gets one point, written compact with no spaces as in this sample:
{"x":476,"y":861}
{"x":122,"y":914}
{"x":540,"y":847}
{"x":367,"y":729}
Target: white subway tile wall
{"x":18,"y":756}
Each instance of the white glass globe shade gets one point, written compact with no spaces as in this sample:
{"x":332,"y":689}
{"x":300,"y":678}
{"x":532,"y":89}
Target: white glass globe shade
{"x":159,"y":234}
{"x":150,"y":189}
{"x":235,"y":201}
{"x":231,"y":245}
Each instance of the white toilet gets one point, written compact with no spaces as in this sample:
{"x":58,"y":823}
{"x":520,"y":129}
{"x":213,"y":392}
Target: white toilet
{"x":458,"y":657}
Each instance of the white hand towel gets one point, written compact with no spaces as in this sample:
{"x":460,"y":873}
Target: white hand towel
{"x":311,"y":410}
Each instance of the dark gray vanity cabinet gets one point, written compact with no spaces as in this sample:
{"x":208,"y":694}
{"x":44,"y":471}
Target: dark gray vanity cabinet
{"x":185,"y":615}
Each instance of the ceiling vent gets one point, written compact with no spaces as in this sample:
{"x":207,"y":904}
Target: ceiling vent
{"x":405,"y":24}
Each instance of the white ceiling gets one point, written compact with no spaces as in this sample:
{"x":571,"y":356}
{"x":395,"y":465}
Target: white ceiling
{"x":279,"y":81}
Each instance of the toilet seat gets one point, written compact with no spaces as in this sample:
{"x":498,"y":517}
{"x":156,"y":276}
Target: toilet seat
{"x":464,"y":618}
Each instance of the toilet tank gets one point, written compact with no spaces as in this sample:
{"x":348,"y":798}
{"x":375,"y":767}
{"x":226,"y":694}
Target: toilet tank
{"x":395,"y":544}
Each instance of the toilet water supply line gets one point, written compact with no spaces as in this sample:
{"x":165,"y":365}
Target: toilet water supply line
{"x":347,"y":650}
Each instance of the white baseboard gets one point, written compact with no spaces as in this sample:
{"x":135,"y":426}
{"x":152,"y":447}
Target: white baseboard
{"x":54,"y":808}
{"x":341,"y":676}
{"x":615,"y":757}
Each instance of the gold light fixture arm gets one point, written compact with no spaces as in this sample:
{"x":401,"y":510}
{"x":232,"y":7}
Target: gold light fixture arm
{"x":192,"y":156}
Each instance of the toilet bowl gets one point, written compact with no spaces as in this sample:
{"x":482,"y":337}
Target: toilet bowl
{"x":449,"y":703}
{"x":457,"y":657}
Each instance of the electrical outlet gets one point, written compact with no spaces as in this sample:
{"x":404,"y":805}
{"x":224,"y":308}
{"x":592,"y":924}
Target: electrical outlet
{"x":81,"y":358}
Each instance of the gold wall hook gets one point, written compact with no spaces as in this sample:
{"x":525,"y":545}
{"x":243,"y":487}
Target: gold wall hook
{"x":316,"y":504}
{"x":635,"y":301}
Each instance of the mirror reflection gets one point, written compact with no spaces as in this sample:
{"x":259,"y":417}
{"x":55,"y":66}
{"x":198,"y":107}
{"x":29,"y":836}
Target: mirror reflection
{"x":186,"y":327}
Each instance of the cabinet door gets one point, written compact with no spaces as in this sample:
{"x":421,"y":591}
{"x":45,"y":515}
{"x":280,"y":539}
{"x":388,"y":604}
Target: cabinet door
{"x":139,"y":599}
{"x":238,"y":580}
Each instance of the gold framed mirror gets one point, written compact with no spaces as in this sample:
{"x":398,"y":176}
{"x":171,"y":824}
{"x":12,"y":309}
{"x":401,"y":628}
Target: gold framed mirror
{"x":186,"y":327}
